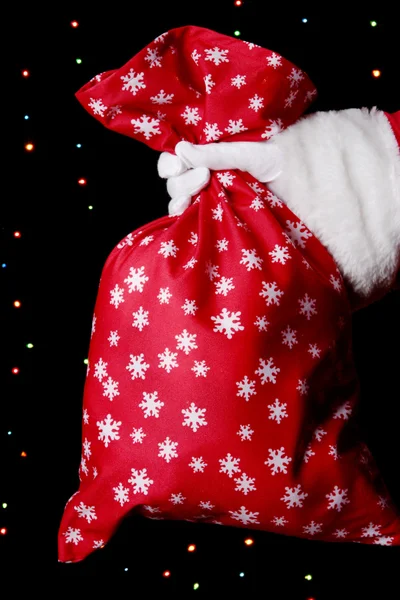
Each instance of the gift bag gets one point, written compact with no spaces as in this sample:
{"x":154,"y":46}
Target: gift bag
{"x":221,"y":385}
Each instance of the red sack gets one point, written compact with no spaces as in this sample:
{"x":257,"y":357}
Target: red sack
{"x":221,"y":383}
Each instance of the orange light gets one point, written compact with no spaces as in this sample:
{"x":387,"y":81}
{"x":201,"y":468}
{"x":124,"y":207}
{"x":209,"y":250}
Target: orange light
{"x":74,"y":23}
{"x":3,"y":531}
{"x":17,"y":234}
{"x":17,"y":304}
{"x":15,"y":371}
{"x":191,"y":548}
{"x":29,"y":147}
{"x":25,"y":73}
{"x":238,"y":2}
{"x":166,"y":573}
{"x":82,"y":181}
{"x":23,"y":454}
{"x":249,"y":542}
{"x":376,"y":73}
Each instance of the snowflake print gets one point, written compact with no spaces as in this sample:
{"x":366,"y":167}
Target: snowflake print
{"x":85,"y":417}
{"x":272,"y":129}
{"x":343,"y":412}
{"x":371,"y":531}
{"x":246,"y":388}
{"x":200,"y":368}
{"x":164,"y":295}
{"x":108,"y":430}
{"x":133,"y":82}
{"x":310,"y":95}
{"x":86,"y":448}
{"x":307,"y":306}
{"x":191,"y":116}
{"x":245,"y":432}
{"x":224,"y":285}
{"x":235,"y":127}
{"x":270,"y":293}
{"x":257,"y":188}
{"x":100,"y":369}
{"x":314,"y":350}
{"x":95,"y":473}
{"x":280,"y":254}
{"x":190,"y":264}
{"x":216,"y":55}
{"x":177,"y":498}
{"x":148,"y":126}
{"x":110,"y":388}
{"x":319,"y":434}
{"x":312,"y":528}
{"x":212,"y":270}
{"x":195,"y":56}
{"x":140,"y":481}
{"x":73,"y":536}
{"x":222,"y":246}
{"x":137,"y":366}
{"x":256,"y":103}
{"x":333,"y":451}
{"x":238,"y":81}
{"x":274,"y":60}
{"x":121,"y":494}
{"x":267,"y":371}
{"x":308,"y":454}
{"x":294,"y":497}
{"x":225,"y":179}
{"x":151,"y":405}
{"x":278,"y":411}
{"x":136,"y":279}
{"x":289,"y":337}
{"x":97,"y":106}
{"x":209,"y":83}
{"x":113,"y":338}
{"x":383,"y":502}
{"x":186,"y":341}
{"x":189,"y":307}
{"x":337,"y":499}
{"x":257,"y":204}
{"x":117,"y":296}
{"x":153,"y":57}
{"x":198,"y":465}
{"x":167,"y":449}
{"x":385,"y":540}
{"x":168,"y":249}
{"x":212,"y":132}
{"x":83,"y":467}
{"x":194,"y":238}
{"x":302,"y":387}
{"x":245,"y":484}
{"x":138,"y":435}
{"x":98,"y":544}
{"x":146,"y":240}
{"x":298,"y":233}
{"x":290,"y":99}
{"x":194,"y":417}
{"x":168,"y":360}
{"x":273,"y":200}
{"x":278,"y":461}
{"x":228,"y":323}
{"x":140,"y":318}
{"x":206,"y":505}
{"x":295,"y":77}
{"x":250,"y":260}
{"x":336,"y":283}
{"x":162,"y":98}
{"x":245,"y":516}
{"x":261,"y":323}
{"x":340,"y":533}
{"x":229,"y":465}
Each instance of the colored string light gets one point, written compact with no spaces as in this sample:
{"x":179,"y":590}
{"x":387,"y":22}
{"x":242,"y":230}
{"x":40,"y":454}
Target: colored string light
{"x":17,"y":303}
{"x":191,"y":548}
{"x":25,"y":73}
{"x":74,"y":24}
{"x":376,"y":73}
{"x":15,"y":371}
{"x":82,"y":181}
{"x":17,"y":234}
{"x":29,"y":147}
{"x":249,"y":542}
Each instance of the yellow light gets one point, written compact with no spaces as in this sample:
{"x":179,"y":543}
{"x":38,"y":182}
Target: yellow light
{"x":4,"y":505}
{"x":23,"y":454}
{"x":238,"y":2}
{"x":29,"y":147}
{"x":376,"y":73}
{"x":90,"y":207}
{"x":86,"y":361}
{"x":249,"y":542}
{"x":308,"y":577}
{"x":17,"y":304}
{"x":191,"y":548}
{"x":373,"y":23}
{"x":29,"y":346}
{"x":196,"y":586}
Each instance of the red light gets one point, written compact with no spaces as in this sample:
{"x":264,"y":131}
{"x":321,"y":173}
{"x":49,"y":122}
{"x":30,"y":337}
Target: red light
{"x":25,"y":73}
{"x":23,"y":454}
{"x":17,"y":234}
{"x":15,"y":371}
{"x":3,"y":531}
{"x":166,"y":573}
{"x":238,"y":2}
{"x":82,"y":181}
{"x":74,"y":24}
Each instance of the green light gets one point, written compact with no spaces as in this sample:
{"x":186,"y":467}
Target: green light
{"x":86,"y":361}
{"x":78,"y":61}
{"x":237,"y":33}
{"x":196,"y":586}
{"x":308,"y":577}
{"x":29,"y":346}
{"x":4,"y":505}
{"x":373,"y":23}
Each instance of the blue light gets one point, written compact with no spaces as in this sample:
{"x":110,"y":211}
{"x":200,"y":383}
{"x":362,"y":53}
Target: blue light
{"x":26,"y":117}
{"x":3,"y":266}
{"x":9,"y":432}
{"x":79,"y":145}
{"x":241,"y":574}
{"x":305,"y":20}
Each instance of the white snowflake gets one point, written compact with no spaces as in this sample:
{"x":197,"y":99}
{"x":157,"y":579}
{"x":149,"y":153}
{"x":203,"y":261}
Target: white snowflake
{"x":290,"y":99}
{"x":245,"y":484}
{"x":235,"y":127}
{"x":206,"y":505}
{"x":343,"y":412}
{"x":257,"y":187}
{"x":294,"y":497}
{"x":83,"y":467}
{"x":127,"y":241}
{"x":216,"y":55}
{"x":85,"y":417}
{"x":341,"y":533}
{"x":137,"y":435}
{"x":136,"y":279}
{"x":303,"y":387}
{"x":108,"y":430}
{"x":168,"y":249}
{"x":153,"y":57}
{"x":151,"y":405}
{"x":121,"y":494}
{"x":191,"y":115}
{"x":337,"y":498}
{"x":160,"y":39}
{"x":371,"y":531}
{"x":280,"y":254}
{"x":226,"y":179}
{"x":271,"y":293}
{"x":212,"y":132}
{"x":86,"y":448}
{"x":257,"y":204}
{"x":222,"y":246}
{"x":198,"y":465}
{"x":167,"y":449}
{"x":224,"y":285}
{"x":308,"y":453}
{"x":194,"y":417}
{"x":307,"y":306}
{"x":278,"y":411}
{"x":229,"y":465}
{"x":162,"y":98}
{"x":146,"y":125}
{"x":310,"y":95}
{"x":298,"y":233}
{"x":246,"y":388}
{"x":200,"y":368}
{"x":279,"y":521}
{"x":274,"y":127}
{"x":277,"y":461}
{"x":209,"y":83}
{"x":137,"y":366}
{"x":385,"y":540}
{"x":295,"y":77}
{"x":117,"y":296}
{"x":245,"y":516}
{"x":86,"y":512}
{"x":245,"y":432}
{"x":97,"y":106}
{"x":189,"y":307}
{"x":212,"y":270}
{"x":95,"y":472}
{"x":164,"y":295}
{"x":261,"y":323}
{"x":195,"y":56}
{"x":168,"y":360}
{"x":251,"y":260}
{"x":100,"y":369}
{"x":312,"y":528}
{"x":98,"y":544}
{"x":113,"y":338}
{"x":140,"y":481}
{"x":314,"y":350}
{"x":186,"y":341}
{"x":289,"y":337}
{"x":228,"y":323}
{"x":146,"y":240}
{"x":177,"y":498}
{"x":151,"y":509}
{"x":140,"y":318}
{"x":238,"y":81}
{"x":273,"y":200}
{"x":110,"y":388}
{"x":319,"y":433}
{"x":73,"y":536}
{"x":336,"y":283}
{"x":256,"y":103}
{"x":133,"y":82}
{"x":267,"y":370}
{"x":333,"y":451}
{"x":274,"y":60}
{"x":383,"y":502}
{"x":113,"y":111}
